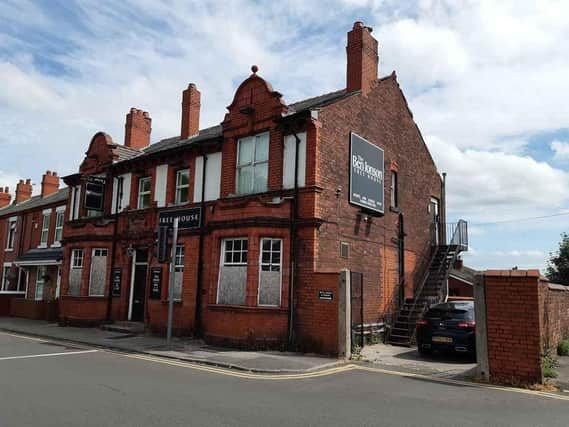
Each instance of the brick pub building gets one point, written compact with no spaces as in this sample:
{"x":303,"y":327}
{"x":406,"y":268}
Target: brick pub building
{"x":275,"y":216}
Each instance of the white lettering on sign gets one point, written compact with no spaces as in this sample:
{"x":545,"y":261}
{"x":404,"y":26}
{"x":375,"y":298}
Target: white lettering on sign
{"x":363,"y":168}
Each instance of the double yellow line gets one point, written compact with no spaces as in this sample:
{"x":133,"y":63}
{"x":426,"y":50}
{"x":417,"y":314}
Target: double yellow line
{"x":335,"y":370}
{"x":241,"y":374}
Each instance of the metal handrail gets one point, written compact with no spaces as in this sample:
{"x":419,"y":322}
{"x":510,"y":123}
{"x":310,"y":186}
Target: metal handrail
{"x":458,"y":240}
{"x":458,"y":232}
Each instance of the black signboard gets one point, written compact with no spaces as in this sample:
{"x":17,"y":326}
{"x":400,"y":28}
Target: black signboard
{"x":326,"y":295}
{"x":366,"y":174}
{"x":155,"y":282}
{"x":94,"y":193}
{"x":187,"y":218}
{"x":116,"y":281}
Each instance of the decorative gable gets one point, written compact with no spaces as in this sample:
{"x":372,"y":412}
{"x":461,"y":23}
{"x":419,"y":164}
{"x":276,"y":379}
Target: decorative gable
{"x":255,"y":102}
{"x":100,"y":154}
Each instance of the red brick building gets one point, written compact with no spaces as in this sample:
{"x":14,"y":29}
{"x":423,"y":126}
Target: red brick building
{"x":270,"y":193}
{"x":31,"y":231}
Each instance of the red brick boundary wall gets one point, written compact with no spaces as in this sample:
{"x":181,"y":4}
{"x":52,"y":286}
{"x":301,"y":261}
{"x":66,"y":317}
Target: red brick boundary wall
{"x":38,"y":310}
{"x":526,"y":316}
{"x":513,"y":325}
{"x":317,"y":319}
{"x":555,"y":314}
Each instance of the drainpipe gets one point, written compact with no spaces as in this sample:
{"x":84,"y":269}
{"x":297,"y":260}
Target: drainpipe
{"x":293,"y":248}
{"x":444,"y":221}
{"x":198,"y":318}
{"x":443,"y":213}
{"x":401,"y":260}
{"x":114,"y":249}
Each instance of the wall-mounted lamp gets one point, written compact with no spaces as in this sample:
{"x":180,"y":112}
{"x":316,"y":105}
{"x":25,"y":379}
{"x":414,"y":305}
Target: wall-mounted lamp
{"x":130,"y":251}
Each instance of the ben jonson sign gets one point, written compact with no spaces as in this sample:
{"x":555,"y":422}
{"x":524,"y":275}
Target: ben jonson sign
{"x":366,"y":174}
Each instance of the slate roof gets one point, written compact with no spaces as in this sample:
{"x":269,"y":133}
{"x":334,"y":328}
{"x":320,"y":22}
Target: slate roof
{"x":36,"y":202}
{"x":465,"y":274}
{"x":175,"y":142}
{"x":126,"y":153}
{"x":319,"y":101}
{"x":217,"y":131}
{"x":41,"y":256}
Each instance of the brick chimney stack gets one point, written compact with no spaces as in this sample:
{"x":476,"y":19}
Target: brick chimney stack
{"x":49,"y":183}
{"x":137,"y":129}
{"x":23,"y":191}
{"x":5,"y":197}
{"x":363,"y":59}
{"x":190,"y":111}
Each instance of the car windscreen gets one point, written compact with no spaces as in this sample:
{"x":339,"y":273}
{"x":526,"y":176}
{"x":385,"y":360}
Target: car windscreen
{"x":453,"y":313}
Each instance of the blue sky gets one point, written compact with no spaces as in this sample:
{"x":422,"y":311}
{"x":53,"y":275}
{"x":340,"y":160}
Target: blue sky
{"x":486,"y":81}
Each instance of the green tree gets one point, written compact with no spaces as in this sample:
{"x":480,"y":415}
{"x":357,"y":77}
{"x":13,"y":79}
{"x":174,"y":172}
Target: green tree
{"x":558,"y":264}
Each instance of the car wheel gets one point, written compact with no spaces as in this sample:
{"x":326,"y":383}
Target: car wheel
{"x":424,"y":351}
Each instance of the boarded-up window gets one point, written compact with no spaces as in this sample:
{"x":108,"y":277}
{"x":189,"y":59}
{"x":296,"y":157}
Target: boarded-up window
{"x":270,"y":272}
{"x":98,"y":275}
{"x":179,"y":272}
{"x":75,"y":272}
{"x":233,"y":272}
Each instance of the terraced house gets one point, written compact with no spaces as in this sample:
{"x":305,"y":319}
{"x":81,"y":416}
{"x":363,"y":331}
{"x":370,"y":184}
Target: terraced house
{"x":275,"y":201}
{"x":31,"y":231}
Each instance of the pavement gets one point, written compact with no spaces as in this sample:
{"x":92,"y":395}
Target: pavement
{"x":407,"y":359}
{"x":49,"y":383}
{"x":562,"y":369}
{"x":182,"y":349}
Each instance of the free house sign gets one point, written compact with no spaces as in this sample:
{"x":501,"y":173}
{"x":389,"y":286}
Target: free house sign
{"x":366,"y":174}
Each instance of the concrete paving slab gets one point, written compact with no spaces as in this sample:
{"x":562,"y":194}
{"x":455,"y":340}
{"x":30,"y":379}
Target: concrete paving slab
{"x":407,"y":359}
{"x":182,"y":348}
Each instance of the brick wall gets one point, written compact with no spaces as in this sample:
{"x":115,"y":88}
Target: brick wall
{"x":316,"y":319}
{"x":555,"y":314}
{"x":457,"y":288}
{"x":383,"y":119}
{"x":514,"y":326}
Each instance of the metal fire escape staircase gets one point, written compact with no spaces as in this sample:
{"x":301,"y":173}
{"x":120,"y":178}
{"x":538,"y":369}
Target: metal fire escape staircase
{"x":433,"y":288}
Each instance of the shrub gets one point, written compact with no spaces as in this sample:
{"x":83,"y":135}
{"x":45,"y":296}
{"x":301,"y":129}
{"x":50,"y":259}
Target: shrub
{"x":563,"y":348}
{"x":548,"y":364}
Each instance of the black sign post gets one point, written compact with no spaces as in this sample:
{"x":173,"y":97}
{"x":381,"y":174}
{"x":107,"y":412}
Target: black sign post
{"x":116,"y":281}
{"x":326,"y":295}
{"x":366,"y":174}
{"x":155,"y":283}
{"x":187,"y":218}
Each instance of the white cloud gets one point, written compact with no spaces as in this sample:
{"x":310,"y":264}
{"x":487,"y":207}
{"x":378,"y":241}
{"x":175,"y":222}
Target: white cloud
{"x":494,"y":186}
{"x":561,"y":149}
{"x":482,"y":73}
{"x":491,"y":259}
{"x":480,"y":76}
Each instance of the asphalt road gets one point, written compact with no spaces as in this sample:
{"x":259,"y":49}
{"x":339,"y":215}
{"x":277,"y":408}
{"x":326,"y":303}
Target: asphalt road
{"x":43,"y":383}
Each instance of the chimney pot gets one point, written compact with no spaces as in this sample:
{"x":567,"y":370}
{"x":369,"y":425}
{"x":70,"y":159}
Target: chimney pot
{"x":191,"y":103}
{"x":23,"y":191}
{"x":5,"y":197}
{"x":137,"y":129}
{"x":49,"y":183}
{"x":363,"y":59}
